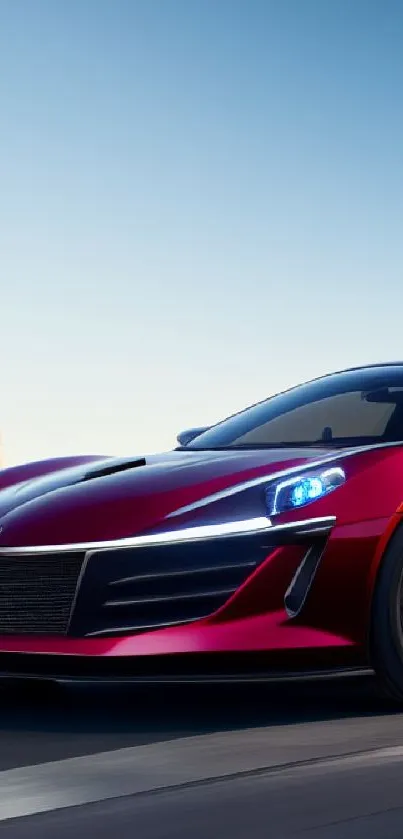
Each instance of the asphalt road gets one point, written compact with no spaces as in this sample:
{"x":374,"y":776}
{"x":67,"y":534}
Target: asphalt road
{"x":321,"y":760}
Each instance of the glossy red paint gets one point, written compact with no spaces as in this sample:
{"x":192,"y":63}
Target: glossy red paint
{"x":271,"y":631}
{"x":135,"y":501}
{"x":373,"y":489}
{"x":13,"y":475}
{"x":128,"y":502}
{"x":60,"y":508}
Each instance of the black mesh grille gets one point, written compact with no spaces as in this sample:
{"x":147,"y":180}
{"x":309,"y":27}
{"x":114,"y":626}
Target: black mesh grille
{"x":37,"y":593}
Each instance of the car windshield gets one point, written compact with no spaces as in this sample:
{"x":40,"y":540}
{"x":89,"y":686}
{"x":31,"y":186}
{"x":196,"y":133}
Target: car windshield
{"x":344,"y":409}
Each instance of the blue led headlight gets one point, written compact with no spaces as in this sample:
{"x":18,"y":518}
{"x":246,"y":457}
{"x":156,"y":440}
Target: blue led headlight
{"x":302,"y":489}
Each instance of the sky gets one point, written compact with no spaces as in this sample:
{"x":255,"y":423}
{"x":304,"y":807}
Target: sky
{"x":201,"y":203}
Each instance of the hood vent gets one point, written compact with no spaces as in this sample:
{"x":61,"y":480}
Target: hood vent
{"x":114,"y":468}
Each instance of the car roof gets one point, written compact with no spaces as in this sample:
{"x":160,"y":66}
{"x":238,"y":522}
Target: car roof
{"x":384,"y":365}
{"x":371,"y":366}
{"x":361,"y":368}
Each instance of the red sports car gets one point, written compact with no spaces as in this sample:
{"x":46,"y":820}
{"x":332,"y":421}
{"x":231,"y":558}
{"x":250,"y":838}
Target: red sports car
{"x":268,"y":545}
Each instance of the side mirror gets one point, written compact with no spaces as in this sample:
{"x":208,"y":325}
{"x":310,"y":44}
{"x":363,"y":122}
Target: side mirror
{"x":190,"y":434}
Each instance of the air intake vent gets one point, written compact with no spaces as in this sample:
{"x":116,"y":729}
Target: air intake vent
{"x":138,"y":589}
{"x":114,"y":468}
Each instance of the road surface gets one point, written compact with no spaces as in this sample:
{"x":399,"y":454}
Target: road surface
{"x":317,"y":761}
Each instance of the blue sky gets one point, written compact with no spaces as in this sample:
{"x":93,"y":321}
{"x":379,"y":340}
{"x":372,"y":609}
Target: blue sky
{"x":201,"y":202}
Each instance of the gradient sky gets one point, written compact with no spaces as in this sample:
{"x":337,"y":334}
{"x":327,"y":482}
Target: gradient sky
{"x":201,"y":202}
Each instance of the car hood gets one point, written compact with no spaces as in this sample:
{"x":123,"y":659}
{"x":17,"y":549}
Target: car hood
{"x":98,"y":498}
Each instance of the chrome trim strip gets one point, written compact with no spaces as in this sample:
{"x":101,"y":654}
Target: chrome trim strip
{"x":171,"y":598}
{"x":268,"y":479}
{"x":124,"y":630}
{"x":315,"y":525}
{"x":203,"y":678}
{"x":77,"y":591}
{"x":233,"y":528}
{"x":189,"y":534}
{"x":185,"y":572}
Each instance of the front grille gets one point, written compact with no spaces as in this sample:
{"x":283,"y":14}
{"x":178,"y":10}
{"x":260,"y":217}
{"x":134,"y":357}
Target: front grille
{"x":135,"y":590}
{"x":37,"y":593}
{"x":152,"y":600}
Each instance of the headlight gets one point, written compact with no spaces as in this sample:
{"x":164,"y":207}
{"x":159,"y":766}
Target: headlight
{"x":302,"y":489}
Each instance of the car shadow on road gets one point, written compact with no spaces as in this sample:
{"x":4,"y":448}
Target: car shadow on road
{"x":38,"y":726}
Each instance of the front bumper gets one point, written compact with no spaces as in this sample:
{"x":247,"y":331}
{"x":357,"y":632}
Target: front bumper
{"x":222,"y":593}
{"x":149,"y":583}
